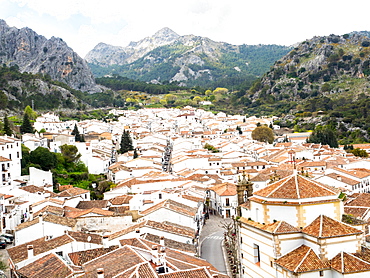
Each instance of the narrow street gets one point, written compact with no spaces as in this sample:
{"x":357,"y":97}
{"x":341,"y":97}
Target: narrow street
{"x":211,"y":238}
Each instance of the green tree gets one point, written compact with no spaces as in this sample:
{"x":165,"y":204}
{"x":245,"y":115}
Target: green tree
{"x":211,"y":148}
{"x":263,"y":134}
{"x":7,"y":130}
{"x":43,"y":157}
{"x":25,"y":161}
{"x":76,"y":133}
{"x":32,"y":115}
{"x":359,"y":152}
{"x":126,"y":142}
{"x":70,"y":154}
{"x":26,"y":126}
{"x":323,"y":135}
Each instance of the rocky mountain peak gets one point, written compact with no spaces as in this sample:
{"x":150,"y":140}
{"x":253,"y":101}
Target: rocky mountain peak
{"x":106,"y":55}
{"x":35,"y":54}
{"x":166,"y":34}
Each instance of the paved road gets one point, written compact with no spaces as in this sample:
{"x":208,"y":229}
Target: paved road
{"x":212,"y":250}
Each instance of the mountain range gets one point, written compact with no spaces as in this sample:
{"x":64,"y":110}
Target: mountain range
{"x":189,"y":60}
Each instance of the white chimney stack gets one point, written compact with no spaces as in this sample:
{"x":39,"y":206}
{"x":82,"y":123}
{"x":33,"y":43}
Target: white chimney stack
{"x":161,"y":241}
{"x":162,"y":256}
{"x":30,"y":251}
{"x":105,"y":241}
{"x":155,"y":259}
{"x":100,"y":273}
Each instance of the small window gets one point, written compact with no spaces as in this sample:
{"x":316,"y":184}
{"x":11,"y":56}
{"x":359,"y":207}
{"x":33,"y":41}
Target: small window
{"x":160,"y":196}
{"x":60,"y":253}
{"x":321,"y":272}
{"x":256,"y":253}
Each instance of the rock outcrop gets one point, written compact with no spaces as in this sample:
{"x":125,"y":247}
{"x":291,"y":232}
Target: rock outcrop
{"x":35,"y":54}
{"x":107,"y":55}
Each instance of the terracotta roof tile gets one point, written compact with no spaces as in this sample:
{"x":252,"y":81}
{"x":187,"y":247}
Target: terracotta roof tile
{"x":224,"y":189}
{"x":121,"y":200}
{"x":326,"y":227}
{"x":360,"y":200}
{"x":161,"y":226}
{"x":19,"y":253}
{"x":49,"y":266}
{"x":302,"y":259}
{"x":92,"y":204}
{"x":81,"y":257}
{"x":171,"y":205}
{"x":71,"y":192}
{"x":278,"y":227}
{"x":114,"y":262}
{"x":171,"y":243}
{"x":295,"y":187}
{"x":348,"y":263}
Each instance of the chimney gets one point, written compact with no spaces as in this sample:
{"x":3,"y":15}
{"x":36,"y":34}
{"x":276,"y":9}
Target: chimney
{"x":100,"y":273}
{"x":161,"y":241}
{"x":30,"y":214}
{"x":105,"y":241}
{"x":30,"y":251}
{"x":162,"y":257}
{"x":155,"y":254}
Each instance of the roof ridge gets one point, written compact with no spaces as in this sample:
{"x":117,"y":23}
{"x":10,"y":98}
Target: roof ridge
{"x":278,"y":226}
{"x":301,"y":262}
{"x":297,"y":187}
{"x":321,"y":224}
{"x":358,"y":258}
{"x":278,"y":187}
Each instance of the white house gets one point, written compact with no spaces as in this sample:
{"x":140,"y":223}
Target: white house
{"x":284,"y":233}
{"x":224,"y":199}
{"x":172,"y":211}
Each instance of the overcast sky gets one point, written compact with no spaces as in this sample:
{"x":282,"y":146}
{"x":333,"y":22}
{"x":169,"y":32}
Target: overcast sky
{"x":82,"y":24}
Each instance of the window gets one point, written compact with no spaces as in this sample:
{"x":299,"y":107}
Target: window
{"x":17,"y":154}
{"x":160,"y":196}
{"x":321,"y":272}
{"x":256,"y":253}
{"x":227,"y":202}
{"x":60,"y":253}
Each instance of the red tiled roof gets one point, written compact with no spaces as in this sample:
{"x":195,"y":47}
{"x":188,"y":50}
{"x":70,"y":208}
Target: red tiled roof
{"x":302,"y":259}
{"x":326,"y":227}
{"x":49,"y":266}
{"x":349,"y":263}
{"x":295,"y":187}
